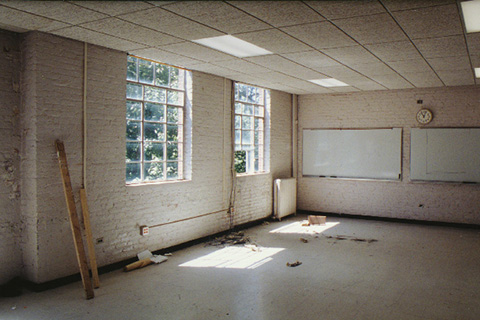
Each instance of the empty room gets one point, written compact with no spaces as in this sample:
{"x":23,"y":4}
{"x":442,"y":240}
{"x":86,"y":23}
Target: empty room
{"x":240,"y":159}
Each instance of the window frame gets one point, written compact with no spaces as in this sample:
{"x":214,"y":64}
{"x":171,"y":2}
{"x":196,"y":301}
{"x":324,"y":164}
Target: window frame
{"x":263,"y":141}
{"x":166,"y":105}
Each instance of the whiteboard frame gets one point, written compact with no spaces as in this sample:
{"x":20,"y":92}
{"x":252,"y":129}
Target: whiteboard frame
{"x":418,"y":161}
{"x":397,"y":133}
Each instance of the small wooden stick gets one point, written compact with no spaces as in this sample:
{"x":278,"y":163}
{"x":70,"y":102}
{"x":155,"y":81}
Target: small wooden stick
{"x":138,"y":264}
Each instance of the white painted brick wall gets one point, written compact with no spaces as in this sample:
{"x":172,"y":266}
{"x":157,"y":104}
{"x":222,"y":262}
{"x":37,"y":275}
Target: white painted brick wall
{"x":446,"y":202}
{"x":53,"y":109}
{"x":10,"y":226}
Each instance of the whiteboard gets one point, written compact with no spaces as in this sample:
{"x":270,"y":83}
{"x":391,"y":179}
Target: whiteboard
{"x":445,"y":154}
{"x":353,"y":153}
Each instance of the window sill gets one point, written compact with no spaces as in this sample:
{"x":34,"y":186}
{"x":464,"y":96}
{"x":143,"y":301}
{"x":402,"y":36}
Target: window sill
{"x":239,"y":175}
{"x":156,"y":183}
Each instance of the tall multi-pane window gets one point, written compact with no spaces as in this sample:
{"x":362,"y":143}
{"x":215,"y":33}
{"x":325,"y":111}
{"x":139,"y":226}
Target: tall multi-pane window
{"x":251,"y":128}
{"x":155,"y":121}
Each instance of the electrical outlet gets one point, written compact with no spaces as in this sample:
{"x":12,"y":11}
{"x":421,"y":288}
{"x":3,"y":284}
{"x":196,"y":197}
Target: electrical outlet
{"x":144,"y":231}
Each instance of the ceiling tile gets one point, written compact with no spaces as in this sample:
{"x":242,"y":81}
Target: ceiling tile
{"x":394,"y":51}
{"x":127,"y":30}
{"x":366,"y":84}
{"x":344,"y":89}
{"x":475,"y":60}
{"x":346,"y":9}
{"x":423,"y":79}
{"x":396,"y":5}
{"x":473,"y":41}
{"x":114,"y":8}
{"x":277,"y":63}
{"x":450,"y":63}
{"x":439,"y":21}
{"x":372,"y":29}
{"x":341,"y":73}
{"x":457,"y":77}
{"x":279,"y":13}
{"x":312,"y":59}
{"x":373,"y":69}
{"x":19,"y":21}
{"x":166,"y":57}
{"x":274,"y":41}
{"x":226,"y":18}
{"x":197,"y":51}
{"x":442,"y":47}
{"x":159,"y":3}
{"x":393,"y":81}
{"x":81,"y":34}
{"x":351,"y":55}
{"x":216,"y":70}
{"x":253,"y":80}
{"x":410,"y":65}
{"x":320,"y":35}
{"x":170,"y":23}
{"x":242,"y":66}
{"x":58,"y":10}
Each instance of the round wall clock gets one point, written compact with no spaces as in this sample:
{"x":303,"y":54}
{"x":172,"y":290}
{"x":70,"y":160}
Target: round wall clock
{"x":424,"y":116}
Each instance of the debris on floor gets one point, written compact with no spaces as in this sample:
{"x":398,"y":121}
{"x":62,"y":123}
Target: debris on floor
{"x":230,"y":239}
{"x":144,"y":259}
{"x":294,"y":264}
{"x":321,"y":220}
{"x":351,"y":239}
{"x":253,"y":247}
{"x":304,"y":240}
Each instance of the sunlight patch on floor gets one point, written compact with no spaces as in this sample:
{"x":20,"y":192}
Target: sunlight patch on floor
{"x":247,"y":257}
{"x":297,"y":227}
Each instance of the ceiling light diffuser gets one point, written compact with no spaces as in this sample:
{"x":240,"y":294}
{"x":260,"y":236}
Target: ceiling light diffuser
{"x":471,"y":15}
{"x":330,"y":82}
{"x":477,"y":72}
{"x":234,"y":46}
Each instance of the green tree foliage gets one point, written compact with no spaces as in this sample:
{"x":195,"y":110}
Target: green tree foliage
{"x":240,"y":161}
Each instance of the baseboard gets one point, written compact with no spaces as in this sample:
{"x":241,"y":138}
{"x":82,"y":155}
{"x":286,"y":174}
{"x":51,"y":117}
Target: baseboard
{"x":388,"y":219}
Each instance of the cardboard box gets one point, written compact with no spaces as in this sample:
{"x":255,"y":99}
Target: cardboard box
{"x":321,"y":220}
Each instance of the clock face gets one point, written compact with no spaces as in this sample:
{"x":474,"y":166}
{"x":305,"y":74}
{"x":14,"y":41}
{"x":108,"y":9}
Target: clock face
{"x":424,"y":116}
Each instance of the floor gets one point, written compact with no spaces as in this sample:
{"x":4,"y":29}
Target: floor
{"x":350,"y":269}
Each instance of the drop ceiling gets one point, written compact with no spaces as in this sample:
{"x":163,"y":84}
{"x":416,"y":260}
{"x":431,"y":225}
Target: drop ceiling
{"x":370,"y":45}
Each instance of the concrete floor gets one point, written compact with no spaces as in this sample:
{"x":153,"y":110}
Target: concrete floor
{"x":411,"y":272}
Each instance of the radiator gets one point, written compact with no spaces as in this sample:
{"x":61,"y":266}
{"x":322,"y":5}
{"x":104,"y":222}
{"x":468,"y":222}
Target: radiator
{"x":284,"y":197}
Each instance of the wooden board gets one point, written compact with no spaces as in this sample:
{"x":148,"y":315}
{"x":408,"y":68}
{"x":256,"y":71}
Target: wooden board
{"x":90,"y":244}
{"x":74,"y":222}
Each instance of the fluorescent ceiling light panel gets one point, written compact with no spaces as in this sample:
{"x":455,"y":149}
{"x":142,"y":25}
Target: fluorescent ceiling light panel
{"x":234,"y":46}
{"x":330,"y":82}
{"x":471,"y":15}
{"x":477,"y":72}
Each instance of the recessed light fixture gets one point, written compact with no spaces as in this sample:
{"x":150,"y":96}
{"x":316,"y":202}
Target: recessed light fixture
{"x":471,"y":15}
{"x":477,"y":72}
{"x":234,"y":46}
{"x":330,"y":82}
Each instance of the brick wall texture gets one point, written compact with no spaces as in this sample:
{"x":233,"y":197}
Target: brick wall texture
{"x":10,"y":222}
{"x":445,"y":202}
{"x":52,"y":108}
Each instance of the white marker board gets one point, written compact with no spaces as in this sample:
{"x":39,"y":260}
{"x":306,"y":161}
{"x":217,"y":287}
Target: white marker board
{"x":353,"y":153}
{"x":445,"y":154}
